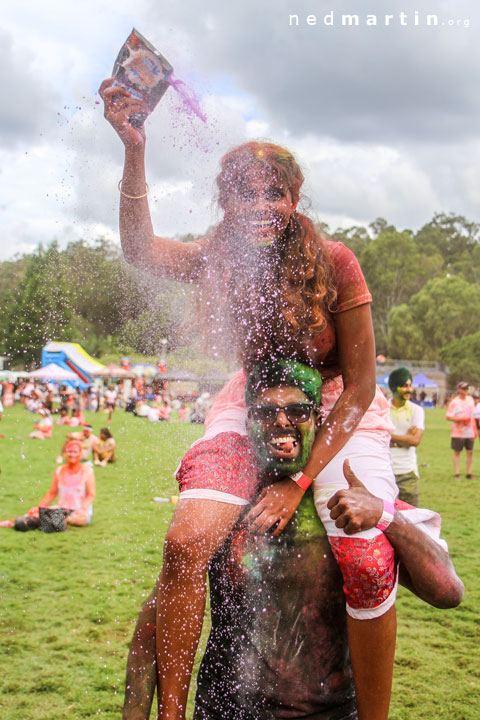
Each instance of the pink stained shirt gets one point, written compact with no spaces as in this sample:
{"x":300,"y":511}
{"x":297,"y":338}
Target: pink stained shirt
{"x":463,"y":410}
{"x":72,"y":486}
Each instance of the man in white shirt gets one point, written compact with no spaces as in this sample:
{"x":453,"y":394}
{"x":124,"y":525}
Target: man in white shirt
{"x":409,"y":421}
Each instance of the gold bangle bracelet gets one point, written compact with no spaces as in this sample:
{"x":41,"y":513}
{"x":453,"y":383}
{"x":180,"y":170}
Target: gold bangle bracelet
{"x":132,"y":197}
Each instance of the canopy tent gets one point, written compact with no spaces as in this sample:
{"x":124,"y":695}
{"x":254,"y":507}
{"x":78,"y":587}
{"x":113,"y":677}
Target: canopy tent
{"x":55,"y":373}
{"x":179,"y":375}
{"x":113,"y":371}
{"x":144,"y":370}
{"x":421,"y":380}
{"x":382,"y":380}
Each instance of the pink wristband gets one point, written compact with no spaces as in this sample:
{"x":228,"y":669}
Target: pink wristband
{"x":301,"y":480}
{"x":387,"y":516}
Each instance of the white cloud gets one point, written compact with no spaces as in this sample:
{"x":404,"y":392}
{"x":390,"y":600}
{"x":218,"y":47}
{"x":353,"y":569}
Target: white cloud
{"x":385,"y":121}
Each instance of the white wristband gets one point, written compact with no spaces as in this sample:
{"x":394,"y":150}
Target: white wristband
{"x":387,"y":516}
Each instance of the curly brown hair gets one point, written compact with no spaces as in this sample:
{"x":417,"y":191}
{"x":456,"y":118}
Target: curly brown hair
{"x":261,"y":300}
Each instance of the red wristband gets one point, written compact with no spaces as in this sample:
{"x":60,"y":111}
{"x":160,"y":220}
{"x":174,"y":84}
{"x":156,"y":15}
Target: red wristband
{"x":301,"y":480}
{"x":387,"y":515}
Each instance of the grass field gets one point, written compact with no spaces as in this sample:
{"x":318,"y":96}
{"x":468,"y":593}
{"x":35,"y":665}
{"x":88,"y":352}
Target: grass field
{"x":69,"y":601}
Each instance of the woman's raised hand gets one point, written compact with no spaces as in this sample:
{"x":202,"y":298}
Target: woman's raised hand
{"x":119,"y":106}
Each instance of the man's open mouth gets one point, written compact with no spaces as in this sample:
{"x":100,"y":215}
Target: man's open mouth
{"x":284,"y":446}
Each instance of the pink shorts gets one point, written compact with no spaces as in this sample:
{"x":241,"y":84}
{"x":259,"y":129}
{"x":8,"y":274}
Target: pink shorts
{"x":222,"y":469}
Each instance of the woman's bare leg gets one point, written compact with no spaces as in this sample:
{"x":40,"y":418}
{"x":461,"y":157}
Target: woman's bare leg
{"x":197,"y":530}
{"x":372,"y":652}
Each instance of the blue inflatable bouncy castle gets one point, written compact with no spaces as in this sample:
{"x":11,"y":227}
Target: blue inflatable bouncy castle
{"x":73,"y":357}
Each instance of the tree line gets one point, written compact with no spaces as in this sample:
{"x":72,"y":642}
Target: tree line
{"x":425,"y":288}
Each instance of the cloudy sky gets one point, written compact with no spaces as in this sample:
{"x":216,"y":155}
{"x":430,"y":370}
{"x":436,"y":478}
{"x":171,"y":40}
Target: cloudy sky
{"x":384,"y":115}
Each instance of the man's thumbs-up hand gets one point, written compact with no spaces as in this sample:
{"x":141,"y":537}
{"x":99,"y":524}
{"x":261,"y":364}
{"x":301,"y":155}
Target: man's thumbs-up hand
{"x":355,"y":509}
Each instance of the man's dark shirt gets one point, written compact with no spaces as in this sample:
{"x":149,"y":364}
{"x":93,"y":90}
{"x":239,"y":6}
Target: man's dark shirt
{"x":278,"y":646}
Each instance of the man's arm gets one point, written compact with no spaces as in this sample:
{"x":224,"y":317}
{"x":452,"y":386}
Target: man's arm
{"x":141,"y":679}
{"x":412,"y":438}
{"x":427,"y":571}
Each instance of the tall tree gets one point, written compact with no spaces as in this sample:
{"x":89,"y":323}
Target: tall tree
{"x":41,"y":308}
{"x":394,"y":269}
{"x":450,"y":235}
{"x":463,"y":358}
{"x":356,"y":238}
{"x":445,"y":309}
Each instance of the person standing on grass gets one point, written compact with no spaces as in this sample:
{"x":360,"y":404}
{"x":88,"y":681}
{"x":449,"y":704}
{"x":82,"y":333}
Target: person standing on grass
{"x":110,"y":398}
{"x":460,"y":413}
{"x":476,"y":413}
{"x":277,"y":605}
{"x":409,"y":421}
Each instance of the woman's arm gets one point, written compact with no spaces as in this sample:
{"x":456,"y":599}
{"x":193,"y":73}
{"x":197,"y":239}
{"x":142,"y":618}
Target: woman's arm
{"x":53,"y":492}
{"x":356,"y":352}
{"x":141,"y":247}
{"x":90,"y":489}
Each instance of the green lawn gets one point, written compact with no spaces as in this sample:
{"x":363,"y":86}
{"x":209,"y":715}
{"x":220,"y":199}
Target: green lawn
{"x":69,"y":601}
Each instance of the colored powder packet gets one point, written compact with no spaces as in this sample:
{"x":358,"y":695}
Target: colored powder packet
{"x":143,"y":71}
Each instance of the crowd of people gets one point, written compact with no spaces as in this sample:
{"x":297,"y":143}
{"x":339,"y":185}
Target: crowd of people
{"x":143,"y":399}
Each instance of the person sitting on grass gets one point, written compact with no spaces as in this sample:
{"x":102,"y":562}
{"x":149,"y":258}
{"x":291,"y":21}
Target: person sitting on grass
{"x":74,"y":487}
{"x":43,"y":427}
{"x":78,"y":418}
{"x":87,"y":439}
{"x":104,"y":449}
{"x":63,"y":419}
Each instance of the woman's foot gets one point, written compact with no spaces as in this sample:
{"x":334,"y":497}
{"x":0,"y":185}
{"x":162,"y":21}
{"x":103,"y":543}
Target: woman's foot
{"x":456,"y":477}
{"x":469,"y":476}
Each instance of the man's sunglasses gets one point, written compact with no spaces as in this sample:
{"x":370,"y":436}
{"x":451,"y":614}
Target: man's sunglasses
{"x":295,"y":412}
